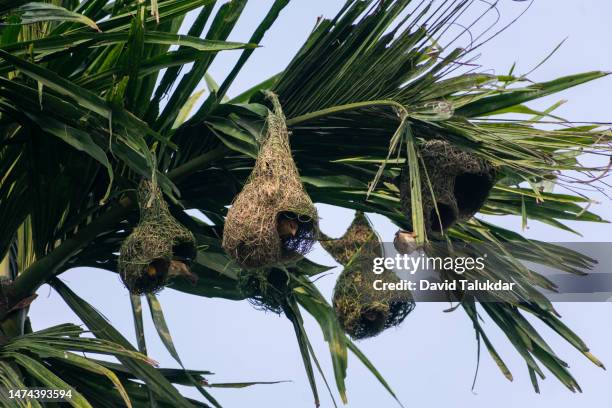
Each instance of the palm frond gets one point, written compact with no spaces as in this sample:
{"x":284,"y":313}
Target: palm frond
{"x":84,"y":115}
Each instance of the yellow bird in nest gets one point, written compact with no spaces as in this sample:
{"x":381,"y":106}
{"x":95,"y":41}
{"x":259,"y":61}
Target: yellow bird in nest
{"x":151,"y":271}
{"x":156,"y":267}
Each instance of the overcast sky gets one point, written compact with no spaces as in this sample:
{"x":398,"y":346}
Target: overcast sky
{"x":430,"y":359}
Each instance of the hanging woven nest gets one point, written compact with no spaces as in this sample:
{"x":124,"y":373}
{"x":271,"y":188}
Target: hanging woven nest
{"x":460,"y":181}
{"x":356,"y":236}
{"x":363,"y":311}
{"x":158,"y":249}
{"x":272,"y":221}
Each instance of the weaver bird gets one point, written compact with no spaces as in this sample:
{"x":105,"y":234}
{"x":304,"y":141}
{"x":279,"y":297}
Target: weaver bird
{"x":287,"y":227}
{"x":372,"y":316}
{"x":178,"y":268}
{"x":405,"y":242}
{"x":374,"y":320}
{"x":151,"y":271}
{"x":156,"y":267}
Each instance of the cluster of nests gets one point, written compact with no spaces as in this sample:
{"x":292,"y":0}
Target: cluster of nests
{"x":273,"y":222}
{"x":455,"y":186}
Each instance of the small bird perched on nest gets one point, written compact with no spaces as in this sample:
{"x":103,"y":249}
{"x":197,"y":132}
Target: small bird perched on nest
{"x":405,"y":242}
{"x":287,"y":227}
{"x":179,"y":268}
{"x":161,"y":268}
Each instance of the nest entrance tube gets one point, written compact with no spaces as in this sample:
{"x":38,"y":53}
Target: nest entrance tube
{"x":471,"y":191}
{"x":460,"y":181}
{"x":272,"y":221}
{"x":297,"y":233}
{"x":158,"y":249}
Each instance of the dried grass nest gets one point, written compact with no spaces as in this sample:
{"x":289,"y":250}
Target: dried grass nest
{"x":357,"y":235}
{"x":363,"y":311}
{"x":460,"y":181}
{"x":272,"y":220}
{"x":158,"y":247}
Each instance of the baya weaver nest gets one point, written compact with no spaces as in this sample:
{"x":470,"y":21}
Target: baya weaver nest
{"x":267,"y":289}
{"x":272,"y":221}
{"x":363,"y":311}
{"x":344,"y":248}
{"x":460,"y":181}
{"x":158,"y":248}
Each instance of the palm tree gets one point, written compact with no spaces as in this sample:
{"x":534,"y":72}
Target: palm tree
{"x":96,"y":96}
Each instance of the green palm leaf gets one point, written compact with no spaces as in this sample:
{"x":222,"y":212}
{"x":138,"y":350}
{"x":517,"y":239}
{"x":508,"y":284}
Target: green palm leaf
{"x":84,"y":115}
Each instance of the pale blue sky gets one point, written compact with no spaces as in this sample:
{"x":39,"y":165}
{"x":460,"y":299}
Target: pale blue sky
{"x":430,"y":359}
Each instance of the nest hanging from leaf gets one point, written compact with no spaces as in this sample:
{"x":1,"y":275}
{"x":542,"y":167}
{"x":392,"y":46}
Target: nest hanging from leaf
{"x":356,"y":236}
{"x":158,"y":249}
{"x":272,"y":220}
{"x":363,"y":311}
{"x":460,"y":181}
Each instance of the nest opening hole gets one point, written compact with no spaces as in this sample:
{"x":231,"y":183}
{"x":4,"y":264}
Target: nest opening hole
{"x":185,"y":252}
{"x":297,"y":232}
{"x":446,"y":219}
{"x":373,"y":320}
{"x":157,"y":267}
{"x":152,"y":277}
{"x":471,"y":191}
